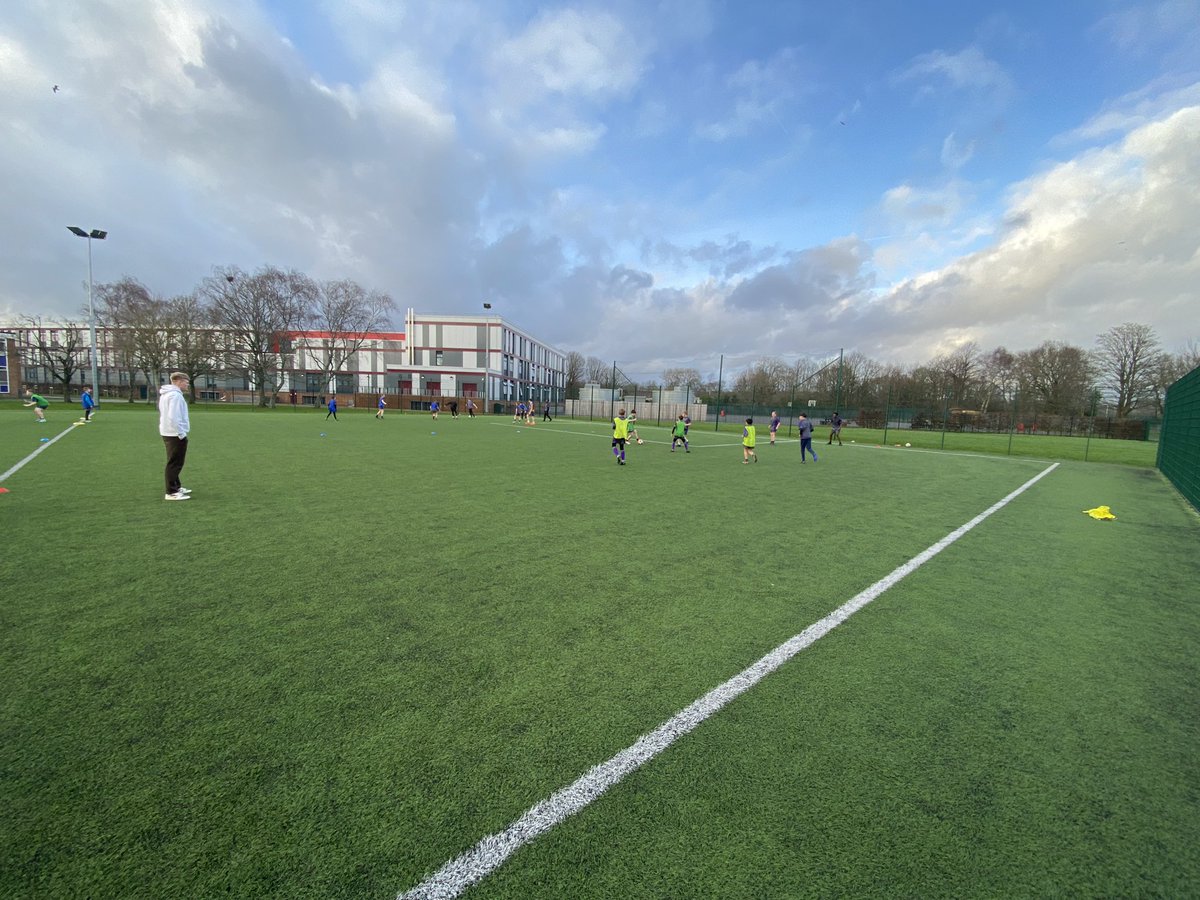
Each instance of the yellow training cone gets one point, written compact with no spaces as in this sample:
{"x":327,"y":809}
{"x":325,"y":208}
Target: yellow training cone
{"x":1100,"y":512}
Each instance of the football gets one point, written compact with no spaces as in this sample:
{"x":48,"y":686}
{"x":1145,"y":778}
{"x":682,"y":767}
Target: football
{"x":640,"y":441}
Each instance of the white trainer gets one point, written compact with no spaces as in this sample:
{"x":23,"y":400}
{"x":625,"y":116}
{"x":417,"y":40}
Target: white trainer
{"x":179,"y":496}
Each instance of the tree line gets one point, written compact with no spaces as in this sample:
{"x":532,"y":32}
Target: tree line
{"x":1126,"y":373}
{"x":232,"y":323}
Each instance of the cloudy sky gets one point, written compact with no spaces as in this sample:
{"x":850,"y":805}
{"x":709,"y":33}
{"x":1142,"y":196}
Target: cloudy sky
{"x":656,"y":182}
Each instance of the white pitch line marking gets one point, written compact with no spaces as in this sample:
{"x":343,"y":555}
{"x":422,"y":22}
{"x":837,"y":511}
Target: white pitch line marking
{"x":15,"y":469}
{"x":490,"y":853}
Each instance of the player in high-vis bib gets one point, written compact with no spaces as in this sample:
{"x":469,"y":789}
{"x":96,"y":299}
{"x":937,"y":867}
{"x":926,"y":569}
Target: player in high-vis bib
{"x":620,"y":435}
{"x":748,"y":442}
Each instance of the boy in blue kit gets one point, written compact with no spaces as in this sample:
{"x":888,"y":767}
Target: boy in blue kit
{"x":435,"y":408}
{"x":332,"y":408}
{"x":805,"y":427}
{"x":88,"y":404}
{"x":380,"y":406}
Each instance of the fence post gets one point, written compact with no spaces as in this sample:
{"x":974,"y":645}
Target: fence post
{"x":887,"y":412}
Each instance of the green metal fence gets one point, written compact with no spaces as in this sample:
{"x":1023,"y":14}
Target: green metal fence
{"x":1179,"y":437}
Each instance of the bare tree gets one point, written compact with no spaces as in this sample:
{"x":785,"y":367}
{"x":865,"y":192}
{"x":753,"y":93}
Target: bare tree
{"x":345,"y":313}
{"x":1128,"y":358}
{"x":998,"y":378}
{"x":1058,"y":375}
{"x":576,"y":366}
{"x":681,"y":378}
{"x":196,"y":352}
{"x":118,"y":306}
{"x":599,"y":372}
{"x":153,"y":336}
{"x":60,"y":348}
{"x":960,"y":371}
{"x":766,"y":381}
{"x":1189,"y":357}
{"x":259,"y":311}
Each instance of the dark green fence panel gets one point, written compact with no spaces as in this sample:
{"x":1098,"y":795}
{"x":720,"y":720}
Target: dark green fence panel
{"x":1179,"y":437}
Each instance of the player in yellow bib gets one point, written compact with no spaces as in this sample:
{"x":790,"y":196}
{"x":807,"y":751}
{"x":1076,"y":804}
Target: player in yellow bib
{"x":620,"y":435}
{"x":748,"y":442}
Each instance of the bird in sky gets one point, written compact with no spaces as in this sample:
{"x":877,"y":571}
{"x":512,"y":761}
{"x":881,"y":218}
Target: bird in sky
{"x":55,"y":89}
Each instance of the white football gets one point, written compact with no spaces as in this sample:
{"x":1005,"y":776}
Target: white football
{"x":908,"y":445}
{"x":640,"y":441}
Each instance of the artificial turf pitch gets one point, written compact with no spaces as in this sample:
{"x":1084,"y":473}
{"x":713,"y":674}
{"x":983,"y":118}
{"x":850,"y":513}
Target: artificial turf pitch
{"x":351,"y":656}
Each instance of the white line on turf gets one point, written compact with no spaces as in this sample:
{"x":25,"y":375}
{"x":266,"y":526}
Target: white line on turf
{"x":17,"y":468}
{"x":490,"y":853}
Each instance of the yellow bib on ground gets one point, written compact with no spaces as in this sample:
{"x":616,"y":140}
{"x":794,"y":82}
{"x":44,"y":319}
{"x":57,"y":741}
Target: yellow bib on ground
{"x":1100,"y":512}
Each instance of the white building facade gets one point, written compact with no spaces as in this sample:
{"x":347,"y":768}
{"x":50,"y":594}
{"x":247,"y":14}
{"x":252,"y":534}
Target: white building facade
{"x":482,"y":357}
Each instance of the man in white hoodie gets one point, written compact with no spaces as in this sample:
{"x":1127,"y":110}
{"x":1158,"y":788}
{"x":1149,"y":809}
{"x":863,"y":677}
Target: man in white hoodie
{"x":173,"y":425}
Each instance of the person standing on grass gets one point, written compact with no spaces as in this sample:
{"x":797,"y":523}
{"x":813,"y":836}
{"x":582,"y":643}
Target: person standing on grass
{"x":546,"y":417}
{"x":835,"y":429}
{"x":687,"y":423}
{"x":88,"y":404}
{"x":805,"y":426}
{"x":774,"y":425}
{"x":39,"y":404}
{"x":381,"y":406}
{"x":454,"y":409}
{"x":332,"y":408}
{"x":173,"y":427}
{"x":748,"y":442}
{"x":519,"y":411}
{"x":633,"y":432}
{"x":679,"y":434}
{"x":620,"y":436}
{"x":434,"y":409}
{"x":470,"y":409}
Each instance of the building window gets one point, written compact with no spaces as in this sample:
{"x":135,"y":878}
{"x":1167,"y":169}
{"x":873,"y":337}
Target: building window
{"x":437,"y":358}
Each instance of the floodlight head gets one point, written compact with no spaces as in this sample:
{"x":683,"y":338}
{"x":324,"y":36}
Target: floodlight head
{"x":98,"y":234}
{"x":76,"y":230}
{"x":487,"y":306}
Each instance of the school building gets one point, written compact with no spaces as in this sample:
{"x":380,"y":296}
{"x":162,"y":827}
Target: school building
{"x":482,"y":357}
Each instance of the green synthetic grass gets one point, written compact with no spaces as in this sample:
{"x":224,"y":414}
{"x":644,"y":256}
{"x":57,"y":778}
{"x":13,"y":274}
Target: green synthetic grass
{"x":350,"y":657}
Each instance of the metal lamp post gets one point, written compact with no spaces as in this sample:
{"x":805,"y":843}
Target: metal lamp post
{"x":94,"y":235}
{"x":487,"y":359}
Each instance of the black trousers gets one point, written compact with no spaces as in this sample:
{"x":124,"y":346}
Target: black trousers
{"x":176,"y":453}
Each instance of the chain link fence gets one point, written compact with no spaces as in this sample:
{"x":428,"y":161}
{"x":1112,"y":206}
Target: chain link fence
{"x":1179,"y":438}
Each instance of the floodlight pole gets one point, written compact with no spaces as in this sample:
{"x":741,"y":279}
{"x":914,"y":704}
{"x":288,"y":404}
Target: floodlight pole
{"x":487,"y":357}
{"x":98,"y":235}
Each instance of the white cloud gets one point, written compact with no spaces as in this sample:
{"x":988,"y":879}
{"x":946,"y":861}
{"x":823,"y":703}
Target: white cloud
{"x":1109,"y":236}
{"x":969,"y":70}
{"x":1145,"y":28}
{"x":955,"y":155}
{"x":755,"y":94}
{"x":570,"y":52}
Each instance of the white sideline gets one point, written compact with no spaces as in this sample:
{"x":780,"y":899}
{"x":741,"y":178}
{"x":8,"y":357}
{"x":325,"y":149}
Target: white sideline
{"x":17,"y":468}
{"x":485,"y":857}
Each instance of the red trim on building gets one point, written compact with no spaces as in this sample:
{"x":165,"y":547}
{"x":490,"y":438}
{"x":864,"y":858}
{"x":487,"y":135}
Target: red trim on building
{"x":369,"y":335}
